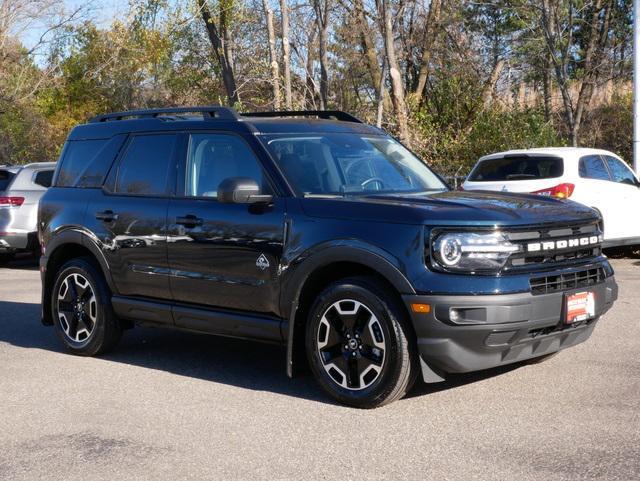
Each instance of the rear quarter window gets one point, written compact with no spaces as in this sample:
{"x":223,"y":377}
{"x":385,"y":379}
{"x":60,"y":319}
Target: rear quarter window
{"x":5,"y":179}
{"x":86,"y":163}
{"x":43,"y":178}
{"x":517,"y":168}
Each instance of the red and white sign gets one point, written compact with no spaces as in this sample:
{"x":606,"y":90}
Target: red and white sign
{"x":580,"y":307}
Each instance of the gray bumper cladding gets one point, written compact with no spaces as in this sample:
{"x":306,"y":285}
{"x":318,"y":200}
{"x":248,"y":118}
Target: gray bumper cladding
{"x":470,"y":333}
{"x":17,"y":241}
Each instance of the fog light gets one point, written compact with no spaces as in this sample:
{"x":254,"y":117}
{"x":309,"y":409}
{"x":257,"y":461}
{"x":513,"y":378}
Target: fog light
{"x":454,"y":315}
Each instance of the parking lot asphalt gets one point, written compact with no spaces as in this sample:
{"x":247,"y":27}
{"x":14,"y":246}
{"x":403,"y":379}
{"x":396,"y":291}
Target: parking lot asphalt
{"x":170,"y":405}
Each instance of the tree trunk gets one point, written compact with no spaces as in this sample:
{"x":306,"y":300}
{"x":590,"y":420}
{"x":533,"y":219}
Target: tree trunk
{"x":368,"y":44}
{"x":598,"y":32}
{"x":546,"y":88}
{"x":286,"y":54}
{"x":381,"y":98}
{"x":321,"y":8}
{"x":397,"y":88}
{"x":226,"y":12}
{"x":490,"y":84}
{"x":226,"y":66}
{"x":275,"y":71}
{"x":550,"y":35}
{"x":431,"y":31}
{"x":311,"y":90}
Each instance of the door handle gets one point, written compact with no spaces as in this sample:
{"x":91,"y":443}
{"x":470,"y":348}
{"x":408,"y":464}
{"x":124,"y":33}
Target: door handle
{"x":107,"y":216}
{"x":189,"y":221}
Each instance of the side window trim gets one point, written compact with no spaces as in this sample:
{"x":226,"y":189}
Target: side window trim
{"x":109,"y":186}
{"x":180,"y":191}
{"x":606,"y":166}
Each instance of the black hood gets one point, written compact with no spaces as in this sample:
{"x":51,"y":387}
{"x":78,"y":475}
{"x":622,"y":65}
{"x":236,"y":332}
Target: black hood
{"x":453,"y":208}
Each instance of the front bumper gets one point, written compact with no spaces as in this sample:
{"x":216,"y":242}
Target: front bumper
{"x":493,"y":330}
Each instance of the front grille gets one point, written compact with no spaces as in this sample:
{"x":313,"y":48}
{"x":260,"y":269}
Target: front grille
{"x":554,"y":246}
{"x":567,"y":281}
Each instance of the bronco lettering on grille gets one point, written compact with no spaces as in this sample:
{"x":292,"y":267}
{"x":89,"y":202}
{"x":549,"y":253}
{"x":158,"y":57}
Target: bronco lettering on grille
{"x":564,"y":244}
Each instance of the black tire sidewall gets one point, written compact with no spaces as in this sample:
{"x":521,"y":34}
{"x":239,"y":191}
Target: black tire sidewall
{"x":387,"y":315}
{"x":94,"y":343}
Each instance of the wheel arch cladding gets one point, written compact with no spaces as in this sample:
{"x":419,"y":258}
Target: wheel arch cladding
{"x":62,"y":249}
{"x":315,"y":274}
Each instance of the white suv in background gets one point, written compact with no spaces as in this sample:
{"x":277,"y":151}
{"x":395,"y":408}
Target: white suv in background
{"x":596,"y":178}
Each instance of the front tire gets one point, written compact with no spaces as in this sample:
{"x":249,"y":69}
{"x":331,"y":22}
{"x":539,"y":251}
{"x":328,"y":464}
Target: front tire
{"x":81,"y":305}
{"x":359,"y":344}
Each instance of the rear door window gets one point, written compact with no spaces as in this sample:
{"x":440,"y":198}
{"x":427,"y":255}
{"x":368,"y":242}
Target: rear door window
{"x":144,"y":168}
{"x":43,"y":178}
{"x":592,"y":167}
{"x":619,"y":171}
{"x":5,"y":179}
{"x":517,"y":167}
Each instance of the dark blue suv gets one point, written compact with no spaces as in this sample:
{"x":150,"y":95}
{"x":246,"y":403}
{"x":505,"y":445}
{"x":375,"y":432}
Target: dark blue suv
{"x":316,"y":231}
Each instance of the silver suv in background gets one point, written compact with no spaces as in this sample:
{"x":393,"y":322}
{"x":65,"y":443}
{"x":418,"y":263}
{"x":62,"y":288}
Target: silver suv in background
{"x":20,"y":190}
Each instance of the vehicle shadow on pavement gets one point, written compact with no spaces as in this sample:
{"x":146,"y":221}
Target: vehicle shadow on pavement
{"x":22,"y":263}
{"x":245,"y":364}
{"x":458,"y":380}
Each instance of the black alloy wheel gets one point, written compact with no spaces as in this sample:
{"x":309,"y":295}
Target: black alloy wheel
{"x":360,"y":345}
{"x":351,"y":344}
{"x":77,"y":308}
{"x":81,"y":309}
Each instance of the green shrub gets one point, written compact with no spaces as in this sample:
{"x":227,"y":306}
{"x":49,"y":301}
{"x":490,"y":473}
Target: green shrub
{"x":453,"y":151}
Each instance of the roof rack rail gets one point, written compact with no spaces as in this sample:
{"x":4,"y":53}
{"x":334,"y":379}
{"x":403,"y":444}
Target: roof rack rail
{"x":321,"y":114}
{"x":214,"y":111}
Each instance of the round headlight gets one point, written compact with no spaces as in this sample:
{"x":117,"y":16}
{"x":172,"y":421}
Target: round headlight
{"x":450,"y":250}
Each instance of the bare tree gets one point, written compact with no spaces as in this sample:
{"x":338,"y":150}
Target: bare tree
{"x":397,"y":86}
{"x":557,"y":20}
{"x":367,"y":41}
{"x":273,"y":56}
{"x":286,"y":54}
{"x":430,"y":34}
{"x":221,"y":50}
{"x":322,"y":10}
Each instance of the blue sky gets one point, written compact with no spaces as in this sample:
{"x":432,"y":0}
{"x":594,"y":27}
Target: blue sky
{"x":101,"y":11}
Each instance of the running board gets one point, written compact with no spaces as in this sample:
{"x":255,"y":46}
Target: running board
{"x":209,"y":321}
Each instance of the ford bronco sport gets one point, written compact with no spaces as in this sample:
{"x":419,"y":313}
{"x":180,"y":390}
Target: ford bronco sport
{"x":316,"y":231}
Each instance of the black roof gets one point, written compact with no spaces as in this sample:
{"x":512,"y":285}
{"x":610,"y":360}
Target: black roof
{"x":220,"y":118}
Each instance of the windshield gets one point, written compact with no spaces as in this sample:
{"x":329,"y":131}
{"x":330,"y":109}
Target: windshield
{"x":517,"y":167}
{"x":337,"y":164}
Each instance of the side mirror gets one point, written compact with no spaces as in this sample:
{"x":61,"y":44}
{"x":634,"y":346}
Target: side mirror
{"x":241,"y":190}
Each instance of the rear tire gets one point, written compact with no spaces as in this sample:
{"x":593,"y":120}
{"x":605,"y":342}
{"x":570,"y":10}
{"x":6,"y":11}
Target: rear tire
{"x":360,"y":346}
{"x":5,"y":259}
{"x":82,"y":313}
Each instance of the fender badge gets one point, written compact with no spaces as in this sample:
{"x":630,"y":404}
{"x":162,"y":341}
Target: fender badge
{"x":262,"y":263}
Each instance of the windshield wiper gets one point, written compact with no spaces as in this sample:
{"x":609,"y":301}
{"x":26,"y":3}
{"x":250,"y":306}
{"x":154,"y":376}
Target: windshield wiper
{"x":323,"y":196}
{"x":406,"y":194}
